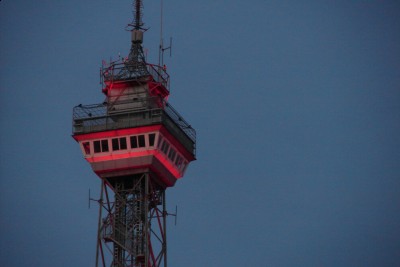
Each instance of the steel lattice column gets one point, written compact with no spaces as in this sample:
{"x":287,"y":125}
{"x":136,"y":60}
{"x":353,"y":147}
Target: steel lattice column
{"x":134,"y":227}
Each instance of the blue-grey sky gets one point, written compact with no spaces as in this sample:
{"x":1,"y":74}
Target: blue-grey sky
{"x":296,"y":106}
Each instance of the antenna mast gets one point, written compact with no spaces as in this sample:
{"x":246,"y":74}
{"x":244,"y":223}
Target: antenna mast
{"x":161,"y":34}
{"x":136,"y":56}
{"x":138,"y":14}
{"x":162,"y":48}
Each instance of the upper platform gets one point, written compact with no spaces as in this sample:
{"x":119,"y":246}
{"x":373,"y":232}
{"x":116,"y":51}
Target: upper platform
{"x":97,"y":118}
{"x":125,"y":71}
{"x":135,"y":129}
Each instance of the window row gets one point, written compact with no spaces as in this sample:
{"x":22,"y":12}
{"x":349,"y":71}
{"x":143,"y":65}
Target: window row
{"x":171,"y":154}
{"x":134,"y":142}
{"x":120,"y":143}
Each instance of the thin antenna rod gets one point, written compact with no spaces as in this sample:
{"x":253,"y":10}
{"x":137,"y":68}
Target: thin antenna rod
{"x":161,"y":34}
{"x":162,"y":48}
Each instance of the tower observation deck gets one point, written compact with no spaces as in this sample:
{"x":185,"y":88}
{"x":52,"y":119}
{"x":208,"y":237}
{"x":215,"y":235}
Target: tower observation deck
{"x":138,"y":145}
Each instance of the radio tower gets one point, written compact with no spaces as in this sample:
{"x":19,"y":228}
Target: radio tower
{"x":138,"y":146}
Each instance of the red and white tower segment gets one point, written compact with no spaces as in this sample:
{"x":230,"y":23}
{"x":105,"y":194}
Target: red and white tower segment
{"x":138,"y":145}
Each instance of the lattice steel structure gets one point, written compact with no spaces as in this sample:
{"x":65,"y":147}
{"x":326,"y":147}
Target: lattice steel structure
{"x":133,"y":228}
{"x":139,"y":146}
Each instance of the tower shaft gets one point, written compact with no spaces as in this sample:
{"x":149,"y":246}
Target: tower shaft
{"x":133,"y":226}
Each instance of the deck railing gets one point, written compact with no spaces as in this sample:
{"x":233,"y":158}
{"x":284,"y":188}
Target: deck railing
{"x":97,"y":118}
{"x":125,"y":71}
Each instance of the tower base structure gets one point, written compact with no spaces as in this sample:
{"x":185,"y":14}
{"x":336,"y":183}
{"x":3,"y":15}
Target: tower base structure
{"x":132,"y":222}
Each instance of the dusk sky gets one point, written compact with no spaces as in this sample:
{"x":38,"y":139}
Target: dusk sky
{"x":296,"y":105}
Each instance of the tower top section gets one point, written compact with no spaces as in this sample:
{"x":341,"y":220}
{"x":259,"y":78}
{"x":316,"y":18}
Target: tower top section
{"x":137,"y":23}
{"x":134,"y":68}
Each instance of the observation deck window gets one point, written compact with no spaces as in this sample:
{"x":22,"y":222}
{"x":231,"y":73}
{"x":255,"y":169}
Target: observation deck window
{"x":160,"y":142}
{"x":119,"y":143}
{"x":165,"y":147}
{"x":152,"y":138}
{"x":178,"y":162}
{"x":86,"y":147}
{"x":138,"y":141}
{"x":172,"y":154}
{"x":142,"y":142}
{"x":100,"y":146}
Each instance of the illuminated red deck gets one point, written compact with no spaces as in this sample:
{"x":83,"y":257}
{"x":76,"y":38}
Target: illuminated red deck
{"x":136,"y":150}
{"x":135,"y":130}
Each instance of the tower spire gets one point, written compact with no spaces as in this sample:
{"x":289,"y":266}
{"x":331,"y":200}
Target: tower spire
{"x":138,"y":14}
{"x":136,"y":59}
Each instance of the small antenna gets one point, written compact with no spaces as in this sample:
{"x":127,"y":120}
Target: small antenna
{"x":92,"y":199}
{"x":89,"y":200}
{"x":161,"y":33}
{"x":166,"y":48}
{"x":162,"y":48}
{"x":173,"y":214}
{"x":176,"y":214}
